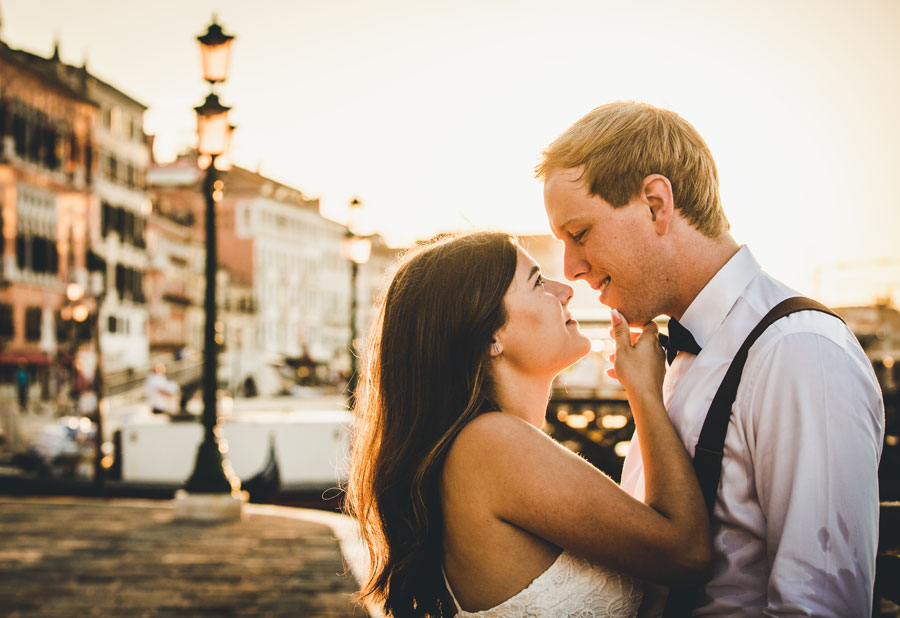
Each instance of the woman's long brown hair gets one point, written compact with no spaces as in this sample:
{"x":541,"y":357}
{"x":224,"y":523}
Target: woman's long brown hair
{"x":425,"y":376}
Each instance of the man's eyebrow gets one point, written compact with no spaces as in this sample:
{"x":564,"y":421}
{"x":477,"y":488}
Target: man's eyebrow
{"x":569,"y":222}
{"x":562,"y":227}
{"x":534,"y":271}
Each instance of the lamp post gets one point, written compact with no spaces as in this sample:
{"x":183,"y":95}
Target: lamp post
{"x":212,"y":474}
{"x":355,"y":249}
{"x":77,"y":311}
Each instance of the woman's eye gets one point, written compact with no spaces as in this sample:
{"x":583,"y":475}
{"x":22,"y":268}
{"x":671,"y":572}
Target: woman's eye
{"x":539,"y":281}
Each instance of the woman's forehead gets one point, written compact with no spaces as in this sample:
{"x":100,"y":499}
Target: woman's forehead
{"x":524,"y":261}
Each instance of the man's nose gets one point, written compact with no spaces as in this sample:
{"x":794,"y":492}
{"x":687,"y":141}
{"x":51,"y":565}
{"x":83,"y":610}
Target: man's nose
{"x":574,"y":266}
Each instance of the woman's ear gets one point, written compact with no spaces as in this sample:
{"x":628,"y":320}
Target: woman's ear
{"x":496,"y":349}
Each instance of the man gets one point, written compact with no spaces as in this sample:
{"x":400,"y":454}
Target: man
{"x":632,"y":191}
{"x":161,"y":394}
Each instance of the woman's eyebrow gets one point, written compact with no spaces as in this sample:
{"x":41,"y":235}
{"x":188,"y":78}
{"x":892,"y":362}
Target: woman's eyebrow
{"x":534,"y":271}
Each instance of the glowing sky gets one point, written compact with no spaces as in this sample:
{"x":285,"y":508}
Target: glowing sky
{"x":435,"y":113}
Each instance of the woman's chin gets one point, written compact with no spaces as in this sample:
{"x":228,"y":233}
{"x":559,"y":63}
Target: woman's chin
{"x":580,"y":349}
{"x":585,"y":344}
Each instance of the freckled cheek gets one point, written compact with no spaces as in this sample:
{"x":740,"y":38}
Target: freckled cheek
{"x":598,"y":259}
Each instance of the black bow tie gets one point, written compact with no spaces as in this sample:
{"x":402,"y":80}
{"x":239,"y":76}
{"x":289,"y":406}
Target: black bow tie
{"x":680,"y":339}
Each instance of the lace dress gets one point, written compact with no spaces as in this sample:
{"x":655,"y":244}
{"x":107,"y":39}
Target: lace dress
{"x":571,"y":586}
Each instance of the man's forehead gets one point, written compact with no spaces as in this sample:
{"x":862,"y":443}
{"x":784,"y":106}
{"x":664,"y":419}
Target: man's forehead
{"x":570,"y":180}
{"x":573,"y":175}
{"x":563,"y":208}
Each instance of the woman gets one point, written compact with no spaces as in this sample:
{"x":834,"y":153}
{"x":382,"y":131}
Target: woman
{"x":465,"y":504}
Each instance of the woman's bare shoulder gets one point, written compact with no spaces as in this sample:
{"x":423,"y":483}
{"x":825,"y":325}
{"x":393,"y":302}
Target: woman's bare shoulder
{"x":497,"y":430}
{"x":493,"y":440}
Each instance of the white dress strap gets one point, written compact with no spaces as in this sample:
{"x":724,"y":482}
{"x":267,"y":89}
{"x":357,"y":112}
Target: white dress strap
{"x":450,"y":590}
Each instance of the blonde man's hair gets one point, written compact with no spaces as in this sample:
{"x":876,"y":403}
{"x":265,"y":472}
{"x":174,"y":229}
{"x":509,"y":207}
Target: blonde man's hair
{"x":619,"y":144}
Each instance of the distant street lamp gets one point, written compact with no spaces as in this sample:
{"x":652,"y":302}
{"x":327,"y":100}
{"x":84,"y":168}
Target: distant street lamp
{"x":77,"y":312}
{"x":355,"y":249}
{"x":212,"y":474}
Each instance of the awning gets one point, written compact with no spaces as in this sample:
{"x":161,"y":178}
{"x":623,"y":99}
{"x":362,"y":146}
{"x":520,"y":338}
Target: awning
{"x":29,"y":357}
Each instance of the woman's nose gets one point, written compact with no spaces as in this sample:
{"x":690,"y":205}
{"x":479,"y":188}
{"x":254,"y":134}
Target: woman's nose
{"x":562,"y":291}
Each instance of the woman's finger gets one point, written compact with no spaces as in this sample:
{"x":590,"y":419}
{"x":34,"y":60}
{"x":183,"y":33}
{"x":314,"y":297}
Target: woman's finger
{"x":621,"y":332}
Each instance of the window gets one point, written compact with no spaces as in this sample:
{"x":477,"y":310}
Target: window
{"x":138,"y":286}
{"x":115,"y":120}
{"x":6,"y":321}
{"x":39,"y":255}
{"x":74,"y":151}
{"x":112,"y":168}
{"x":88,"y":163}
{"x":126,"y":231}
{"x":23,"y":251}
{"x":95,"y":262}
{"x":111,"y":324}
{"x":120,"y":282}
{"x":19,"y":131}
{"x":104,"y":218}
{"x":33,"y":323}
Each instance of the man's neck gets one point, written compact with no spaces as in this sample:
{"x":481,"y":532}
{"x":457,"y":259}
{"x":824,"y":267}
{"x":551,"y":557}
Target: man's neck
{"x":699,"y":263}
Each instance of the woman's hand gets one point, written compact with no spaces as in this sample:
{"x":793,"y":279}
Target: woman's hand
{"x":639,"y":359}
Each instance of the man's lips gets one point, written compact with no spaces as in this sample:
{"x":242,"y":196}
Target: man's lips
{"x":602,"y":285}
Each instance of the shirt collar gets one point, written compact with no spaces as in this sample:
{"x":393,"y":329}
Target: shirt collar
{"x":709,"y":308}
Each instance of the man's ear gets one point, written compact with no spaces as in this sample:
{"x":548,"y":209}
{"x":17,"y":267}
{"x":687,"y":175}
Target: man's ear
{"x":496,"y":349}
{"x":656,"y":190}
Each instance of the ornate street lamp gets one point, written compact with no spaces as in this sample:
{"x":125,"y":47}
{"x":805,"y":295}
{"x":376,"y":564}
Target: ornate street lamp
{"x":355,"y":249}
{"x":75,"y":312}
{"x":212,"y":127}
{"x":215,"y":51}
{"x":212,"y":473}
{"x":78,"y":311}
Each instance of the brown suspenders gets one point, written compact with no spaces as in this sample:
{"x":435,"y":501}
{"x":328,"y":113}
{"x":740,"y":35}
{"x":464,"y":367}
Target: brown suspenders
{"x":711,"y":443}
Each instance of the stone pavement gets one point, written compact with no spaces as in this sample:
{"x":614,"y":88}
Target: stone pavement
{"x":100,"y":557}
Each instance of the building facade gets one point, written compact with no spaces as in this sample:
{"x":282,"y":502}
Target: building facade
{"x":118,"y":244}
{"x":74,"y":158}
{"x":174,"y":282}
{"x":282,"y":257}
{"x":373,"y":279}
{"x":47,"y":164}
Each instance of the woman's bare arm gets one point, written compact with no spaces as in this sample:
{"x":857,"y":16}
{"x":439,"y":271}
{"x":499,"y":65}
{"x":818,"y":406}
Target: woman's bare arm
{"x":540,"y":486}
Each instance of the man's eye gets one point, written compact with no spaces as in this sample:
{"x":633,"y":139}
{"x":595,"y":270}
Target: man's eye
{"x":579,"y":237}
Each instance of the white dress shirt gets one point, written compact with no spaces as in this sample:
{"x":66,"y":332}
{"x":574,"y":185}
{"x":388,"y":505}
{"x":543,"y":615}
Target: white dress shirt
{"x":795,"y":523}
{"x":160,"y":393}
